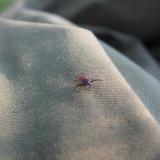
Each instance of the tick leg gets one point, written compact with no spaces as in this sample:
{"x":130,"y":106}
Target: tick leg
{"x":97,"y":80}
{"x":79,"y":84}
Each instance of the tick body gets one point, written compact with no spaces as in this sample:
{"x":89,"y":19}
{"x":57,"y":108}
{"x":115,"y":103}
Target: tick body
{"x":85,"y":80}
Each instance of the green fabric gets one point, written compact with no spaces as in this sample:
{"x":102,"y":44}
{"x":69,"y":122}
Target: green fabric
{"x":4,"y":4}
{"x":44,"y":116}
{"x":146,"y":86}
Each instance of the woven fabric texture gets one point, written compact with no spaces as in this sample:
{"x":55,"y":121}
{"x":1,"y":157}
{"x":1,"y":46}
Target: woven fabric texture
{"x":45,"y":116}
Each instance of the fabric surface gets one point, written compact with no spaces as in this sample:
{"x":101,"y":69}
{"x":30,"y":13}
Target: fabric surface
{"x":45,"y":116}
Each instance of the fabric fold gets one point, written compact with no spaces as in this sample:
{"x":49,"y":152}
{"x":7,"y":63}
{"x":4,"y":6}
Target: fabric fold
{"x":45,"y":116}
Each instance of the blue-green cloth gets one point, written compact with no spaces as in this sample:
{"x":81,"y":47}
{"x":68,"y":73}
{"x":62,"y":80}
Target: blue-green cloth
{"x":44,"y":115}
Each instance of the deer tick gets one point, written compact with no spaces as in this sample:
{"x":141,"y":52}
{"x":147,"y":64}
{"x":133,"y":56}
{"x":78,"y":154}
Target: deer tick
{"x":85,"y":80}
